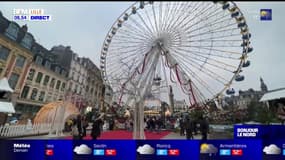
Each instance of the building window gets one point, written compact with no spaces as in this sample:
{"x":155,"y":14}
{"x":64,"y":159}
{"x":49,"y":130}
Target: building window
{"x":62,"y":86}
{"x":4,"y":53}
{"x":39,"y":60}
{"x":49,"y":98}
{"x":25,"y":92}
{"x":39,"y":77}
{"x":58,"y":84}
{"x":76,"y":88}
{"x":34,"y":94}
{"x":52,"y":83}
{"x":46,"y":80}
{"x":13,"y":80}
{"x":31,"y":74}
{"x":47,"y":64}
{"x":42,"y":96}
{"x":12,"y":31}
{"x":80,"y":90}
{"x":73,"y":76}
{"x":57,"y":70}
{"x":70,"y":86}
{"x":60,"y":98}
{"x":20,"y":61}
{"x":27,"y":41}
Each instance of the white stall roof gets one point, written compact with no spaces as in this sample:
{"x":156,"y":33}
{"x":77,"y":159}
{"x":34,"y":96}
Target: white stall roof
{"x":7,"y":107}
{"x":273,"y":95}
{"x":4,"y":85}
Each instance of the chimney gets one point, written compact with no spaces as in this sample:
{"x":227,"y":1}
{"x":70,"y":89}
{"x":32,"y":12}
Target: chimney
{"x":25,"y":28}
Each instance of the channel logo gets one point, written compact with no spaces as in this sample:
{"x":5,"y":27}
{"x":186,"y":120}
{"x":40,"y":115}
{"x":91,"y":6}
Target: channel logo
{"x":110,"y":152}
{"x":237,"y":152}
{"x":225,"y":152}
{"x":98,"y":152}
{"x":265,"y":14}
{"x":173,"y":152}
{"x":161,"y":152}
{"x":49,"y":152}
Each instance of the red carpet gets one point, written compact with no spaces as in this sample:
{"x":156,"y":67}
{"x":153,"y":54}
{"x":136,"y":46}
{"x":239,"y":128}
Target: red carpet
{"x":122,"y":134}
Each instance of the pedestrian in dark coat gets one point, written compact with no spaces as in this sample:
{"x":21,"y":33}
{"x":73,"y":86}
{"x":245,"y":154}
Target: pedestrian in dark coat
{"x":204,"y":128}
{"x":79,"y":126}
{"x":189,"y":126}
{"x":96,"y":128}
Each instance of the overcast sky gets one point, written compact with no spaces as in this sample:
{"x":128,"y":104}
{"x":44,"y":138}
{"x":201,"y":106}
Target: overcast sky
{"x":84,"y":25}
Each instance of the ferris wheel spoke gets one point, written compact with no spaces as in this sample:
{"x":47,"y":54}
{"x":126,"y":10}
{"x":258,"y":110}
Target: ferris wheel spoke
{"x":126,"y":57}
{"x":216,"y":40}
{"x":160,"y":16}
{"x":195,"y":17}
{"x":150,"y":23}
{"x":211,"y":43}
{"x":127,"y":37}
{"x":219,"y":50}
{"x":125,"y":71}
{"x":212,"y":31}
{"x":197,"y":5}
{"x":202,"y":12}
{"x":206,"y":61}
{"x":220,"y":15}
{"x":145,"y":24}
{"x":184,"y":17}
{"x":137,"y":53}
{"x":200,"y":67}
{"x":144,"y":27}
{"x":134,"y":32}
{"x":197,"y":78}
{"x":168,"y":11}
{"x":125,"y":48}
{"x":194,"y":91}
{"x":155,"y":21}
{"x":176,"y":11}
{"x":216,"y":55}
{"x":166,"y":14}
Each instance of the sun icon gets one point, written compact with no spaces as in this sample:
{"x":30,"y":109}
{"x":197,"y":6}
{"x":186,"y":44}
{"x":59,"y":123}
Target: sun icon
{"x":263,"y":13}
{"x":204,"y":147}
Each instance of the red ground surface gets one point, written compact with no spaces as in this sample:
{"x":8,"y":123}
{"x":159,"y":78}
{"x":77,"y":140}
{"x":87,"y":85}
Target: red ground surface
{"x":122,"y":134}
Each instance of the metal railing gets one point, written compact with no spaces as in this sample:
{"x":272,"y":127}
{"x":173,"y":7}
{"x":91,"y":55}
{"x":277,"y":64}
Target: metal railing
{"x":24,"y":130}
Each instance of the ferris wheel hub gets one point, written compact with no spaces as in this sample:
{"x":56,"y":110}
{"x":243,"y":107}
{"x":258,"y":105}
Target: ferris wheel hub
{"x":164,"y":40}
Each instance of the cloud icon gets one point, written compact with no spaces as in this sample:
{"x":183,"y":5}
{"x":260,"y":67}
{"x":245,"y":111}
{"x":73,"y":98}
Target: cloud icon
{"x":272,"y":149}
{"x":82,"y":149}
{"x":208,"y":148}
{"x":145,"y":149}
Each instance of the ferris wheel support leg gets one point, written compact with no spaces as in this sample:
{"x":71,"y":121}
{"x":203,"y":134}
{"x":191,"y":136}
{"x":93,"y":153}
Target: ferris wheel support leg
{"x":142,"y":89}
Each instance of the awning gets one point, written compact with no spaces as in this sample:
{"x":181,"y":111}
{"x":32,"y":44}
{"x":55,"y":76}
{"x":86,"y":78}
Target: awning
{"x":7,"y":107}
{"x":4,"y":85}
{"x":273,"y":95}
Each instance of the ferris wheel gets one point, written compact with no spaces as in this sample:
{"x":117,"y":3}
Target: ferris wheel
{"x":201,"y":47}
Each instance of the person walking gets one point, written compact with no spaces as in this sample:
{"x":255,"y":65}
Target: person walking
{"x":74,"y":131}
{"x":96,"y":128}
{"x":189,"y":126}
{"x":111,"y":124}
{"x":79,"y":126}
{"x":204,"y":128}
{"x":182,"y":126}
{"x":84,"y":127}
